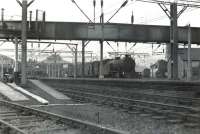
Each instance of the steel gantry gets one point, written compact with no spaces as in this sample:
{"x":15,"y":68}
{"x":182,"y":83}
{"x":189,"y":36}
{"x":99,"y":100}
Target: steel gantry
{"x":173,"y":15}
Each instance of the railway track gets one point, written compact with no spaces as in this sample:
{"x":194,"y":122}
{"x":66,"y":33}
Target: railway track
{"x":146,"y":95}
{"x":188,"y":116}
{"x":18,"y":119}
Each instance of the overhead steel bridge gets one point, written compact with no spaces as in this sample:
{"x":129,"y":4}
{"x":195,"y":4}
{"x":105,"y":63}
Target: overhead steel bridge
{"x":97,"y":31}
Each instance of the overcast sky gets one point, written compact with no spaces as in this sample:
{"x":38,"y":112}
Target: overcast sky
{"x":65,"y":10}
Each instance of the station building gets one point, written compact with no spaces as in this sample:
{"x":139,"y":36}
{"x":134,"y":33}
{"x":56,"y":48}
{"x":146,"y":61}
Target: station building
{"x":183,"y":63}
{"x":54,"y":66}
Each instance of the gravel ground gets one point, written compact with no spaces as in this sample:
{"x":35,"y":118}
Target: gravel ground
{"x":132,"y":123}
{"x":40,"y":125}
{"x":3,"y":97}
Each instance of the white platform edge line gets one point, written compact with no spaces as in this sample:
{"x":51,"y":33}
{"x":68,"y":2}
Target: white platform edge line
{"x":38,"y":98}
{"x":59,"y":105}
{"x":11,"y":98}
{"x":58,"y":95}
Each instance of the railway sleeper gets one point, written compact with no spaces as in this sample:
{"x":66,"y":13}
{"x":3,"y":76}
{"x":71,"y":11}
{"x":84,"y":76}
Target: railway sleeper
{"x":7,"y":128}
{"x":191,"y":125}
{"x":21,"y":117}
{"x":146,"y":107}
{"x":50,"y":130}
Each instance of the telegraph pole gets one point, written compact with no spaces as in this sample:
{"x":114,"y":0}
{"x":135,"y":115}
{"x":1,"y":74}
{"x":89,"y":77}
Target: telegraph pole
{"x":174,"y":39}
{"x":24,"y":43}
{"x":24,"y":4}
{"x":101,"y":43}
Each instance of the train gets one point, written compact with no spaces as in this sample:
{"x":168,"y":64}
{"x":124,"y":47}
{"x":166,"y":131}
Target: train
{"x":161,"y":66}
{"x":112,"y":68}
{"x":6,"y":68}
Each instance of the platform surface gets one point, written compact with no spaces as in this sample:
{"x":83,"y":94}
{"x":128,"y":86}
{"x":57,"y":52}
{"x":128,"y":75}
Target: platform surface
{"x":50,"y":90}
{"x":11,"y":93}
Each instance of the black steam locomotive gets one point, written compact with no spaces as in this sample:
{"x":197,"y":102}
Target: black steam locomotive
{"x":112,"y":68}
{"x":161,"y":69}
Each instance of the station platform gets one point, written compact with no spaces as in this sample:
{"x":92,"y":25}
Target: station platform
{"x":12,"y":94}
{"x":49,"y":90}
{"x":29,"y":94}
{"x":119,"y":82}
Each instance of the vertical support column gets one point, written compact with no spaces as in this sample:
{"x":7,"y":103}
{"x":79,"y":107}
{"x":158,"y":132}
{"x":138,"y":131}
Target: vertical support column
{"x":83,"y":59}
{"x":2,"y":66}
{"x":16,"y":55}
{"x":51,"y":70}
{"x":126,"y":47}
{"x":44,"y":16}
{"x":51,"y":73}
{"x":36,"y":19}
{"x":101,"y":76}
{"x":54,"y":70}
{"x":189,"y":75}
{"x":59,"y":66}
{"x":91,"y":57}
{"x":2,"y":15}
{"x":43,"y":21}
{"x":30,"y":19}
{"x":57,"y":71}
{"x":169,"y":60}
{"x":76,"y":60}
{"x":94,"y":4}
{"x":24,"y":42}
{"x":174,"y":40}
{"x":47,"y":69}
{"x":2,"y":18}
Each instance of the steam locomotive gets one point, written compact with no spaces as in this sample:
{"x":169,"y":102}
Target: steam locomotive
{"x":113,"y":68}
{"x":161,"y":69}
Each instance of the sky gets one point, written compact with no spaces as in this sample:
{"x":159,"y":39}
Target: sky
{"x":65,"y":10}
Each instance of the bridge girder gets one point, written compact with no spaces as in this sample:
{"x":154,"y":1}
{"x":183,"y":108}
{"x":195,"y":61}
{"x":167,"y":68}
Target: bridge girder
{"x":94,"y":32}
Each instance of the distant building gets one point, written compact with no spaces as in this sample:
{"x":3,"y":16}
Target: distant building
{"x":183,"y":63}
{"x":6,"y":64}
{"x":54,"y":66}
